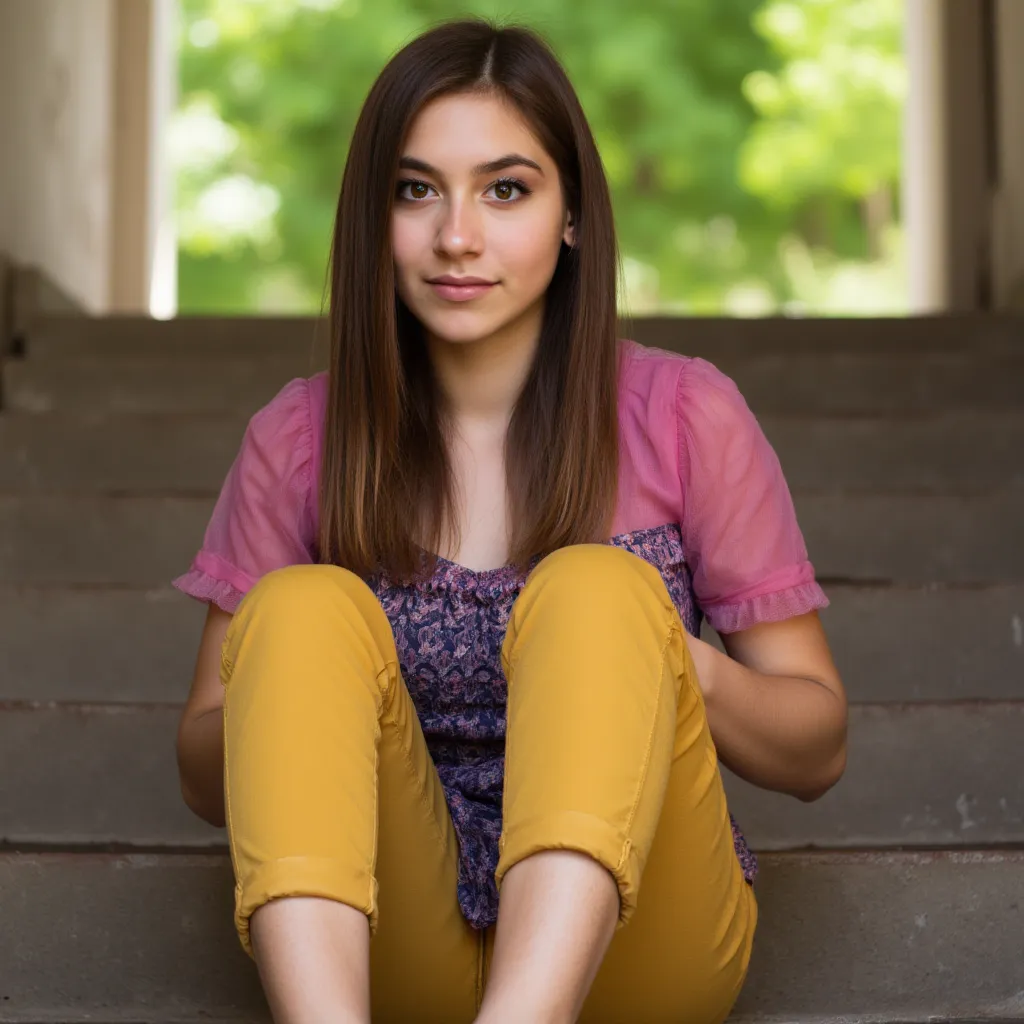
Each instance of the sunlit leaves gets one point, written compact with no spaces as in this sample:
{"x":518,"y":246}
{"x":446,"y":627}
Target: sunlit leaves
{"x":733,"y":132}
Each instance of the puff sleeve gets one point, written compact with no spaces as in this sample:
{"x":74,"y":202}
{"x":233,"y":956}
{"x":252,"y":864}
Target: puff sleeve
{"x":739,"y":526}
{"x":264,"y":517}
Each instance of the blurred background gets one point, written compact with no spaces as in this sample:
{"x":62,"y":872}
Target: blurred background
{"x":752,"y":146}
{"x":800,"y":157}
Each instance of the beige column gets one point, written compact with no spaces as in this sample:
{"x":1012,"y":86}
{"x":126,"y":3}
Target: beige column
{"x":1008,"y":208}
{"x":56,"y":138}
{"x":925,"y":172}
{"x":949,"y":145}
{"x":142,"y":94}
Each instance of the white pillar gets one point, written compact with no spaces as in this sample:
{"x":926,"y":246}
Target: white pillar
{"x":925,"y":168}
{"x":141,"y":196}
{"x":163,"y":282}
{"x":1008,"y":208}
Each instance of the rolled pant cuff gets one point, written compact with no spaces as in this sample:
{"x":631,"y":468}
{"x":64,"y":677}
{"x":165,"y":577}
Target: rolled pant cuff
{"x":584,"y":833}
{"x":303,"y":876}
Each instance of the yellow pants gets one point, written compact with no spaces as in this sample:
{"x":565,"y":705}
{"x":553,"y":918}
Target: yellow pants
{"x":331,"y":792}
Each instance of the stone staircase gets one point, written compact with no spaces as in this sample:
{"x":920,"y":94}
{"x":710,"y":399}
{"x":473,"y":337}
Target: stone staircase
{"x":898,"y":897}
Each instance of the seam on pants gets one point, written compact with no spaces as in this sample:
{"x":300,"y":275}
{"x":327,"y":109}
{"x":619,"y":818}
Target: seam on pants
{"x":387,"y":716}
{"x":480,"y":947}
{"x":384,"y":692}
{"x":227,"y":801}
{"x":647,"y":750}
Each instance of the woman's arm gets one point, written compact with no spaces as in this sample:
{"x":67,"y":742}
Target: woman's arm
{"x":200,"y":742}
{"x":776,"y":705}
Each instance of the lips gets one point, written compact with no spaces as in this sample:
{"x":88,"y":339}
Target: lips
{"x":461,"y":292}
{"x":459,"y":281}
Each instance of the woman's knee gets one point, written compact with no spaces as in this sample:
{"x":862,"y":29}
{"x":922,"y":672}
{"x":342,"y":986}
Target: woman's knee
{"x":606,"y":609}
{"x":304,"y":592}
{"x":296,"y":586}
{"x":594,"y":588}
{"x":593,"y":569}
{"x":305,"y":601}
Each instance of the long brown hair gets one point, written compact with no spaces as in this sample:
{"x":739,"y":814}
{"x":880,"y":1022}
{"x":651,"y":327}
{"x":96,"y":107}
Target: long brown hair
{"x":386,"y":483}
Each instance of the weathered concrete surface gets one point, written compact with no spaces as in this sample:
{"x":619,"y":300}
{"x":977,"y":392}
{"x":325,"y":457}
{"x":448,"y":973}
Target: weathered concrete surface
{"x":893,"y":937}
{"x":859,"y":936}
{"x":928,"y":643}
{"x":829,"y":384}
{"x":259,"y":337}
{"x":702,"y":336}
{"x":118,"y":644}
{"x":924,"y":775}
{"x":915,"y":538}
{"x":94,"y":452}
{"x":95,"y":644}
{"x":152,"y":384}
{"x":947,"y":453}
{"x":6,"y":312}
{"x":925,"y":643}
{"x":87,"y":538}
{"x":94,"y":774}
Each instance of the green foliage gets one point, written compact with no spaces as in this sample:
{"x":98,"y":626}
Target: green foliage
{"x":831,"y":116}
{"x":726,"y":128}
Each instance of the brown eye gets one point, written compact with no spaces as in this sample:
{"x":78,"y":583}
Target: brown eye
{"x":421,"y":187}
{"x":505,"y":190}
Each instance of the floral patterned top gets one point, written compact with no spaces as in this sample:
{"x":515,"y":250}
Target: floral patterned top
{"x":701,"y":497}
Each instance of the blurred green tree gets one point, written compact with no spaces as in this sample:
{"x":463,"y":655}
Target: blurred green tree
{"x":826,"y":149}
{"x":683,"y":97}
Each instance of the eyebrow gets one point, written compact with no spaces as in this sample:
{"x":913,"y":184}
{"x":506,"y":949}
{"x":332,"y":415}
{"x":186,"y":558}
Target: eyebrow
{"x":410,"y":163}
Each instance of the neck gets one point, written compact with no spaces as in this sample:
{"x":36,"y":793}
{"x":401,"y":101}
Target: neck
{"x":481,"y":380}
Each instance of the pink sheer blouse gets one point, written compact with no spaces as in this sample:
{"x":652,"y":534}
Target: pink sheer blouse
{"x":691,"y":454}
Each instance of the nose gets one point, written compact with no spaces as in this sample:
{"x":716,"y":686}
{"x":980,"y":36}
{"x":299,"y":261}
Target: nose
{"x":459,"y":231}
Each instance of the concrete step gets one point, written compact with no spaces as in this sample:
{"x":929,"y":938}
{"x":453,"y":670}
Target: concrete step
{"x":918,"y":775}
{"x":123,"y":644}
{"x":135,"y":453}
{"x":915,"y":539}
{"x":156,"y":384}
{"x":841,"y":937}
{"x":946,"y":453}
{"x":829,"y":384}
{"x":708,"y":337}
{"x":886,"y":642}
{"x":148,"y":540}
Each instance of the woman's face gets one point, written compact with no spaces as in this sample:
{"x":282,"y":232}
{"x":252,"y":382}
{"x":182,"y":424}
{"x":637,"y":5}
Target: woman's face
{"x":452,"y":215}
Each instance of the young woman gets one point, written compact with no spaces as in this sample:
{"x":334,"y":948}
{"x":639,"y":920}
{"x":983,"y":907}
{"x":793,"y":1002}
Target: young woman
{"x":449,"y":700}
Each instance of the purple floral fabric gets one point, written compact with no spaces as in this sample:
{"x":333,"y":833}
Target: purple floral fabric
{"x":448,"y":633}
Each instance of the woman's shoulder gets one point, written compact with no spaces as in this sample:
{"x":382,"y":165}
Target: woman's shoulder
{"x":282,"y":438}
{"x":643,"y":365}
{"x":298,"y":407}
{"x":663,"y":383}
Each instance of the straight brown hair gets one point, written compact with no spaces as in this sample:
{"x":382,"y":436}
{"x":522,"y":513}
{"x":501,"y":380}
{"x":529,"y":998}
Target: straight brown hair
{"x":387,"y":490}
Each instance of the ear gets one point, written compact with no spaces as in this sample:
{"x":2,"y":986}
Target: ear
{"x":569,"y":235}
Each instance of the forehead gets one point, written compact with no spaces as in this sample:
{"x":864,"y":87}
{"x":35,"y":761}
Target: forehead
{"x":459,"y":131}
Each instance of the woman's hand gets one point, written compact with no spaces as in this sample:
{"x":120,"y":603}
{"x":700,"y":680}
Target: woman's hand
{"x":776,"y":706}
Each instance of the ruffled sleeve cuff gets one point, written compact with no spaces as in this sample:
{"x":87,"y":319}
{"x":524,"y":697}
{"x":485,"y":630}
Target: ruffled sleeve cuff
{"x":210,"y":578}
{"x":204,"y":587}
{"x":772,"y":607}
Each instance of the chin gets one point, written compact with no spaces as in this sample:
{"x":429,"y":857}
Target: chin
{"x":460,"y":329}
